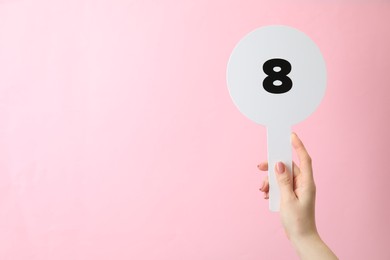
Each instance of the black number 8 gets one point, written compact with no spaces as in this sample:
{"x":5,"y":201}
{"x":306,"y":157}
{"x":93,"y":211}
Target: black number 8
{"x":281,"y":75}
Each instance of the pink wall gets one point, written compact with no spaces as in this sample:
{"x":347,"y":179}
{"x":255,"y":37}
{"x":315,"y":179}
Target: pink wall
{"x":118,"y":138}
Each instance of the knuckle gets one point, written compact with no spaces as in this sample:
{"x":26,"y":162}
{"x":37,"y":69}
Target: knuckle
{"x":312,"y":190}
{"x":285,"y":181}
{"x":308,"y":159}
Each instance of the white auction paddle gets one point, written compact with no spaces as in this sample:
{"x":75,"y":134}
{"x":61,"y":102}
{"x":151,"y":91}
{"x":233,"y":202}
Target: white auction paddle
{"x":276,"y":77}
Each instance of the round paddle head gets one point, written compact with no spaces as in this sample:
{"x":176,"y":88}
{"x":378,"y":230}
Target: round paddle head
{"x":276,"y":75}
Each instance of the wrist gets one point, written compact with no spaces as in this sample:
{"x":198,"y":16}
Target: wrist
{"x":312,"y":237}
{"x":311,"y":246}
{"x":303,"y":242}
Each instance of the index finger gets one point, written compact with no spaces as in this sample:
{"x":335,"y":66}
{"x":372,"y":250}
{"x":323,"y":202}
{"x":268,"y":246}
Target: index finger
{"x":305,"y":162}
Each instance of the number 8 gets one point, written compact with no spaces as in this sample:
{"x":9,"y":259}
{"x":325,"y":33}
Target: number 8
{"x":281,"y":75}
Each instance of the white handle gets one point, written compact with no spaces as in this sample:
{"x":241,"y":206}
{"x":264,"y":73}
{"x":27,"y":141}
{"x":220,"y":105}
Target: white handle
{"x":279,"y":150}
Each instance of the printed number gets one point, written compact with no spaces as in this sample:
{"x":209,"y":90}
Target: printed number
{"x":281,"y":75}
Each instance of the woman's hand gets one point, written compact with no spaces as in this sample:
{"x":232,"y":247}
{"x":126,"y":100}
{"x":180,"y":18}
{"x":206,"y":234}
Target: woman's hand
{"x":297,"y":204}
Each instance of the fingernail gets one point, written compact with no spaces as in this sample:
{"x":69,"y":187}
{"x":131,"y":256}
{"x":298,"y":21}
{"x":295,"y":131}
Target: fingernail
{"x":280,"y":167}
{"x":262,"y":187}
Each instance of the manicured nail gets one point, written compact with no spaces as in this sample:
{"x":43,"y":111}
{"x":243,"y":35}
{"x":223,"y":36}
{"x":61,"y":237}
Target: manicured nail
{"x":262,"y":187}
{"x":280,"y":167}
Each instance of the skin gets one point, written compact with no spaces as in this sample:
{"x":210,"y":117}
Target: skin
{"x":297,"y":205}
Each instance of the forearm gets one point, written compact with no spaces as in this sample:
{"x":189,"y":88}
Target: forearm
{"x":312,"y":247}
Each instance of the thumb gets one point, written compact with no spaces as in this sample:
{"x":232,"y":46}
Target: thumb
{"x":285,"y":181}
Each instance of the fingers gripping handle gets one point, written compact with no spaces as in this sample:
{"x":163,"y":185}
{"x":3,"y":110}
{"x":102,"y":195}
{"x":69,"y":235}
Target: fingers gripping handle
{"x":279,"y":150}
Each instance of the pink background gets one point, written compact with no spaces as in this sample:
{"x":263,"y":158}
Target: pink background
{"x":118,"y":138}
